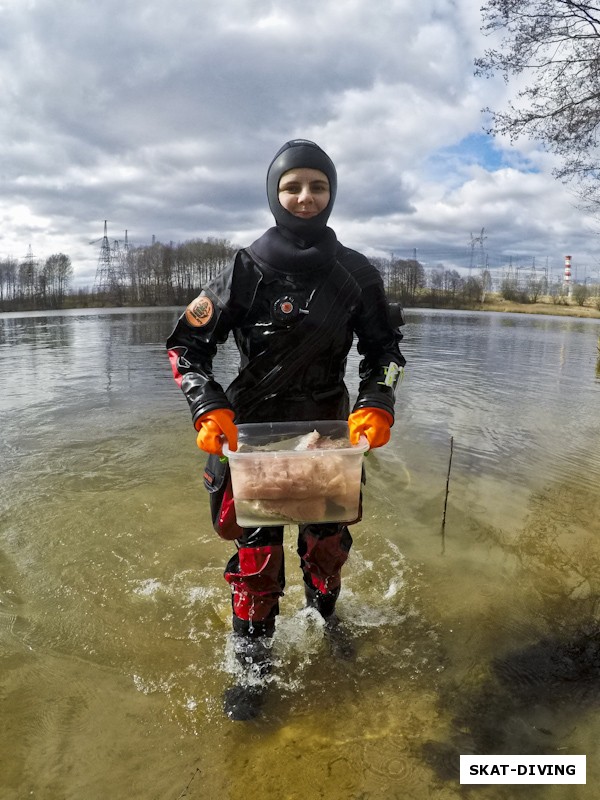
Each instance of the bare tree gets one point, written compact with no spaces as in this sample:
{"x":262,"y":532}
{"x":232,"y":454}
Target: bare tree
{"x":54,"y":279}
{"x":64,"y":274}
{"x":8,"y":279}
{"x":536,"y":286}
{"x":580,"y":293}
{"x":436,"y":284}
{"x":453,"y":283}
{"x":27,"y":277}
{"x":486,"y":283}
{"x":555,"y":45}
{"x":407,"y":277}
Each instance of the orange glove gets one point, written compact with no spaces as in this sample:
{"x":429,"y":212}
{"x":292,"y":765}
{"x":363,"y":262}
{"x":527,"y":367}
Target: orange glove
{"x":212,"y":427}
{"x":374,"y":423}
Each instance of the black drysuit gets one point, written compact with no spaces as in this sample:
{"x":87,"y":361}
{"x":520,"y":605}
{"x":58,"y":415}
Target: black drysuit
{"x":294,"y":311}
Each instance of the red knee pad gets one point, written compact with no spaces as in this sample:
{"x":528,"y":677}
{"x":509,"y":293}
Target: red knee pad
{"x":258,"y":584}
{"x":324,"y":559}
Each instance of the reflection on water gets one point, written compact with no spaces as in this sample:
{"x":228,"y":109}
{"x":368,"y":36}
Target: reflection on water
{"x":114,"y":616}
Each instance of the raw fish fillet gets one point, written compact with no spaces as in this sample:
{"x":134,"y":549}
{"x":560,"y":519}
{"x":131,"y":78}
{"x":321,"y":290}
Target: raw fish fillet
{"x":290,"y":477}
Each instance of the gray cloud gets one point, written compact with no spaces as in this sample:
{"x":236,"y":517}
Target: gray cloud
{"x":162,"y":118}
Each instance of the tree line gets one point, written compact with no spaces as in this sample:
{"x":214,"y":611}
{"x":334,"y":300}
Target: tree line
{"x":149,"y":275}
{"x":34,"y":284}
{"x":165,"y":274}
{"x":173,"y":274}
{"x":409,"y":284}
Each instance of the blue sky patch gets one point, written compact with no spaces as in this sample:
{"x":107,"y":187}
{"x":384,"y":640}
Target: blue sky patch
{"x":478,"y":149}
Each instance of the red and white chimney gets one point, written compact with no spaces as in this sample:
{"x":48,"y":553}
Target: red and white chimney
{"x":567,"y":278}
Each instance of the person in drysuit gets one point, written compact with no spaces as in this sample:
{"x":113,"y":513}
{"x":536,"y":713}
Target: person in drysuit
{"x":294,"y":300}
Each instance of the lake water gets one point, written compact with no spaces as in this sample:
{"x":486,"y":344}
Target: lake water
{"x":114,"y":616}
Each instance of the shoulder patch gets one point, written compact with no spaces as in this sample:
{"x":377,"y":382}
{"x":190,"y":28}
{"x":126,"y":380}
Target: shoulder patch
{"x":200,"y":311}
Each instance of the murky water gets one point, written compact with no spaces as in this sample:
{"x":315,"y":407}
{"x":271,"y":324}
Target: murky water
{"x":114,"y":616}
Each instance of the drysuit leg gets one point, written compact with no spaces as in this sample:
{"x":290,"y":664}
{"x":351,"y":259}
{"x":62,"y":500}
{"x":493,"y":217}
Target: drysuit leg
{"x":323,"y":550}
{"x":257,"y":579}
{"x":256,"y":576}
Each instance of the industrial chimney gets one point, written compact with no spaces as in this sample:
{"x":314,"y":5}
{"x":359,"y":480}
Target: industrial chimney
{"x":567,"y":278}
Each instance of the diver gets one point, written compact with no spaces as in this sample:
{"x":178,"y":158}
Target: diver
{"x":294,"y":301}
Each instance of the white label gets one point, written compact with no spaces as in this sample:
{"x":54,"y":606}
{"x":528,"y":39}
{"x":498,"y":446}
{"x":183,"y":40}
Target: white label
{"x":522,"y":769}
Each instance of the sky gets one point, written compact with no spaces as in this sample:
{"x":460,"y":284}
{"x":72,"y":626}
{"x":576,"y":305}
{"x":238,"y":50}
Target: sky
{"x":162,"y":118}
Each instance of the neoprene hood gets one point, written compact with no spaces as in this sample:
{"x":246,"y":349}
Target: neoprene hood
{"x":300,"y":153}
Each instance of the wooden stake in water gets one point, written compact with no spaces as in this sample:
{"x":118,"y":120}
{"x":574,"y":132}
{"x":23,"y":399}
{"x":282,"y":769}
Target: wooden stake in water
{"x":447,"y":490}
{"x":184,"y":792}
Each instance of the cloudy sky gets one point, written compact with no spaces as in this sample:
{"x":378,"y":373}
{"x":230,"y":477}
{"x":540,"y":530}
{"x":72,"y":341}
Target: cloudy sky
{"x":162,"y":117}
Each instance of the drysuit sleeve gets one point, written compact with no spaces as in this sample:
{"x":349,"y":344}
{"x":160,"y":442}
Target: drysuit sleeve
{"x":378,"y":343}
{"x":192,"y":345}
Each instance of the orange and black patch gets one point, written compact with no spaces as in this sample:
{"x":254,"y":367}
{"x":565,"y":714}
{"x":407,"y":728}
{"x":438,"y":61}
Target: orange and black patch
{"x":200,"y":312}
{"x":209,"y":478}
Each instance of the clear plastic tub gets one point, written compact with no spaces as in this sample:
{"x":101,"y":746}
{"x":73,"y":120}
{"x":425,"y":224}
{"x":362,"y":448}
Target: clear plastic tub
{"x":294,"y":472}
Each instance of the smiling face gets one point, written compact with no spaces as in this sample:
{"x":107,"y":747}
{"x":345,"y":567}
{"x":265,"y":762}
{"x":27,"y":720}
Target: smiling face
{"x":304,"y":192}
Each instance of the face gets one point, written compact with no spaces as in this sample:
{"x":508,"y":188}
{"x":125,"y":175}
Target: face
{"x":304,"y":192}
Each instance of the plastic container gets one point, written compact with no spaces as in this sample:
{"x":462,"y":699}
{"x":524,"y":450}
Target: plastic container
{"x":295,"y":472}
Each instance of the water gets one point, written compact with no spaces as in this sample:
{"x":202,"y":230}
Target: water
{"x":114,"y":615}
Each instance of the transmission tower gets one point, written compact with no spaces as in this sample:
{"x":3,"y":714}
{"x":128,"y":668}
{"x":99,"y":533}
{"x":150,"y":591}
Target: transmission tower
{"x":107,"y":273}
{"x":27,"y":272}
{"x":477,"y":240}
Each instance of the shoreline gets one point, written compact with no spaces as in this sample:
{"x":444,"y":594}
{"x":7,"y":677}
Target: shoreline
{"x":541,"y":307}
{"x":494,"y":304}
